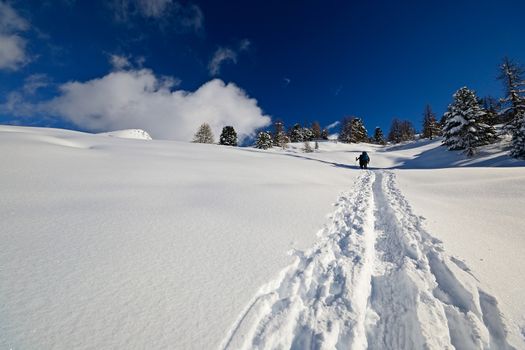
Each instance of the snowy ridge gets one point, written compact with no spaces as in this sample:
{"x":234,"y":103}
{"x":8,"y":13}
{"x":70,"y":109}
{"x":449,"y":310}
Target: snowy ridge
{"x":380,"y":283}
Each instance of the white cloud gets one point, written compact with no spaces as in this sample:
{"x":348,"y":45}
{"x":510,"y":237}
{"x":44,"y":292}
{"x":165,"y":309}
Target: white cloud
{"x":34,"y":82}
{"x":333,"y":125}
{"x":225,"y":54}
{"x":138,"y":99}
{"x":186,"y":16}
{"x":12,"y":46}
{"x":244,"y":45}
{"x":189,"y":17}
{"x":219,"y":57}
{"x":153,"y":8}
{"x":10,"y":20}
{"x":119,"y":62}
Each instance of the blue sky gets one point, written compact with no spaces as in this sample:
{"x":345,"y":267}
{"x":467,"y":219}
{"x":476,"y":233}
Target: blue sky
{"x":300,"y":60}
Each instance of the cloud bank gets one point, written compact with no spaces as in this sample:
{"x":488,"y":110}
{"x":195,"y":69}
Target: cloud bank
{"x":12,"y":46}
{"x":139,"y":99}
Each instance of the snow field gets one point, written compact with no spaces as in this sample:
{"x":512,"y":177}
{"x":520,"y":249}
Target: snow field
{"x":120,"y":243}
{"x":375,"y":280}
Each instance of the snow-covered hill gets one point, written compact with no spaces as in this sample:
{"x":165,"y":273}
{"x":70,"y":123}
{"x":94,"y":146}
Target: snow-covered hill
{"x":114,"y":243}
{"x":137,"y":134}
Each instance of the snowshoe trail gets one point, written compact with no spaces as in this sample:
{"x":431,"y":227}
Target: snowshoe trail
{"x":375,"y":280}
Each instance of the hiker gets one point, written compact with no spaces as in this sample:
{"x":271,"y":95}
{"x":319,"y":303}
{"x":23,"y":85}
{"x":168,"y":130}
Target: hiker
{"x":364,"y":159}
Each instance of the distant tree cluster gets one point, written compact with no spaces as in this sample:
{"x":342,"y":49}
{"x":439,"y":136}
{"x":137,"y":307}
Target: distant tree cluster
{"x":204,"y":134}
{"x":467,"y":124}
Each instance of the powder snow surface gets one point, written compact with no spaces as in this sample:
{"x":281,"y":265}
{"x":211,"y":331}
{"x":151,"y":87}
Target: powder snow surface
{"x":137,"y":134}
{"x":114,"y":243}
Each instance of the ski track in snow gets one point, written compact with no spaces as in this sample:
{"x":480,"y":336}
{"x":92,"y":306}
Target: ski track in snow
{"x":375,"y":280}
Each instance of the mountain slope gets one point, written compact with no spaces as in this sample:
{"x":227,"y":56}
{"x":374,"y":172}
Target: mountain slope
{"x":111,"y":242}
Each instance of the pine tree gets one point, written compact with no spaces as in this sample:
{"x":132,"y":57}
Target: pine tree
{"x":281,"y":140}
{"x":514,"y":105}
{"x":324,"y":134}
{"x":359,"y":133}
{"x":307,"y":147}
{"x":408,"y":132}
{"x":378,"y":138}
{"x":492,"y":108}
{"x":285,"y":142}
{"x":203,"y":134}
{"x":278,"y":133}
{"x":346,"y":130}
{"x":228,"y":136}
{"x":463,"y":128}
{"x":431,"y":127}
{"x":296,"y":134}
{"x":518,"y":138}
{"x":512,"y":76}
{"x":353,"y":131}
{"x":395,"y":134}
{"x":308,"y":134}
{"x":264,"y":140}
{"x":316,"y":130}
{"x":401,"y":130}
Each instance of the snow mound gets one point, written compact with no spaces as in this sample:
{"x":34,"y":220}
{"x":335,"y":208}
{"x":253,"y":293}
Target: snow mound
{"x":136,"y":134}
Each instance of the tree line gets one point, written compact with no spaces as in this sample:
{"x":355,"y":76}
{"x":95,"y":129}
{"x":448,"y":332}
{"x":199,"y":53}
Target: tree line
{"x":467,"y":124}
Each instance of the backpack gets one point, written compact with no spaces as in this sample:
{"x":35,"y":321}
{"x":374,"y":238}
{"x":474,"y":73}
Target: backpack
{"x":365,"y":157}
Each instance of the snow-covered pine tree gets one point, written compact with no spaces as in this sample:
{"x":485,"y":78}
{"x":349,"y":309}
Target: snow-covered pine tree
{"x":296,"y":134}
{"x":512,"y":76}
{"x":492,"y":108}
{"x":316,"y":130}
{"x":285,"y":141}
{"x":307,"y":147}
{"x":346,"y":130}
{"x":228,"y":136}
{"x":463,"y":129}
{"x":264,"y":140}
{"x":353,"y":131}
{"x":308,"y":134}
{"x":431,"y":127}
{"x":281,"y":139}
{"x":278,"y":133}
{"x":379,"y":138}
{"x":514,"y":105}
{"x":203,"y":134}
{"x":518,"y":137}
{"x":358,"y":133}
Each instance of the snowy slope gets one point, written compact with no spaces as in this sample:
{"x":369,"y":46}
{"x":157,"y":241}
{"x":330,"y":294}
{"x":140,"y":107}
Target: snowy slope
{"x":114,"y":243}
{"x":137,"y":134}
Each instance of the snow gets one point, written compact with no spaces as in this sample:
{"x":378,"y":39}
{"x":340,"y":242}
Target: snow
{"x":119,"y":243}
{"x":137,"y":134}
